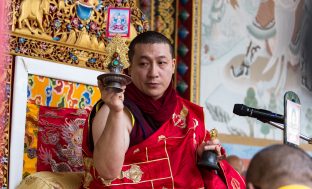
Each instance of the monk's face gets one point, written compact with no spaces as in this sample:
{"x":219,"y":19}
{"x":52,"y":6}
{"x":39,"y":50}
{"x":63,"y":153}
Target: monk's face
{"x":152,"y":67}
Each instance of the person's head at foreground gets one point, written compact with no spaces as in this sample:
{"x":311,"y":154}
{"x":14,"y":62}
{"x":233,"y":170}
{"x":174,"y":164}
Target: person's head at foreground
{"x":236,"y":163}
{"x":152,"y":63}
{"x":280,"y":166}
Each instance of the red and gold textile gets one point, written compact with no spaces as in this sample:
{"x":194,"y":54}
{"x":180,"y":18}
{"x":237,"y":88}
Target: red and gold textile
{"x":159,"y":110}
{"x":167,"y":158}
{"x":60,"y":139}
{"x":56,"y":113}
{"x":53,"y":139}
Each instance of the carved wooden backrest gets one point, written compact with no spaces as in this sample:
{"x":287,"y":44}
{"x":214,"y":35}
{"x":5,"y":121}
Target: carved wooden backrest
{"x":71,"y":33}
{"x":24,"y":67}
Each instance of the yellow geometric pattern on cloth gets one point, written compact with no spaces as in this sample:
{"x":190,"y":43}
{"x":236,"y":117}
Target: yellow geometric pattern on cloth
{"x":294,"y":186}
{"x":31,"y":139}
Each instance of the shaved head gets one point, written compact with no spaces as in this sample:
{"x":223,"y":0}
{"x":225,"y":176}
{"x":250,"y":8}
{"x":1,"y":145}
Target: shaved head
{"x":236,"y":163}
{"x":280,"y":165}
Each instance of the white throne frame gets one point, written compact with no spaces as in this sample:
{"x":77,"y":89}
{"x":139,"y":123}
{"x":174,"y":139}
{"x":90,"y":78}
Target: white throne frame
{"x":23,"y":67}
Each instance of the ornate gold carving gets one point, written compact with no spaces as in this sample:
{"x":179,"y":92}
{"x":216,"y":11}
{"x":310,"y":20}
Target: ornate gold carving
{"x":33,"y":10}
{"x":117,"y":45}
{"x":76,"y":22}
{"x":5,"y":81}
{"x":4,"y":156}
{"x":165,"y":19}
{"x":134,"y":173}
{"x":55,"y":52}
{"x":74,"y":31}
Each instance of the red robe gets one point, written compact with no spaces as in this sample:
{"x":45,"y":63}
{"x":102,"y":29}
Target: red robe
{"x":167,"y":158}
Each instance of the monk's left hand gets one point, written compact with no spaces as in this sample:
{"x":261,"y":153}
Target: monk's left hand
{"x":213,"y":145}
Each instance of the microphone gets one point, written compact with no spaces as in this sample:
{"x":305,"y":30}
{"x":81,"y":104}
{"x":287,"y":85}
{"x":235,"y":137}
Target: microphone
{"x":262,"y":115}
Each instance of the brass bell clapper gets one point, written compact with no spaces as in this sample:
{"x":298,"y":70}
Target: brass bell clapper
{"x":115,"y":62}
{"x":209,"y":158}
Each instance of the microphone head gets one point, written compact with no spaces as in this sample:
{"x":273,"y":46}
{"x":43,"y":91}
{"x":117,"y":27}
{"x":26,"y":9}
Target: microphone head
{"x":241,"y":110}
{"x":262,"y":115}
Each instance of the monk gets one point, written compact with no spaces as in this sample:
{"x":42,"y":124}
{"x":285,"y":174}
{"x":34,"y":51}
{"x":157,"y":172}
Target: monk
{"x":147,"y":136}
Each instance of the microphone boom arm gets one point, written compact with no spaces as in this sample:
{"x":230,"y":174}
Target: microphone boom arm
{"x":265,"y":116}
{"x":281,"y":126}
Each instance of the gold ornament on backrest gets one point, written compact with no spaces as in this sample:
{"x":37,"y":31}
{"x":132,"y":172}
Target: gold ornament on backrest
{"x":115,"y":62}
{"x":117,"y":49}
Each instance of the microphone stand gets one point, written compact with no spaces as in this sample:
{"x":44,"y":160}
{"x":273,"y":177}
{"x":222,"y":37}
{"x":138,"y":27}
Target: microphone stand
{"x":281,"y":126}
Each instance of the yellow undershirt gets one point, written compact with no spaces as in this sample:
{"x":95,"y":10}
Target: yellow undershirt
{"x":294,"y":186}
{"x":99,"y":104}
{"x":131,"y":115}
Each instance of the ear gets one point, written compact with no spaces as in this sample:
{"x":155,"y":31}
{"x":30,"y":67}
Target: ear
{"x":173,"y":65}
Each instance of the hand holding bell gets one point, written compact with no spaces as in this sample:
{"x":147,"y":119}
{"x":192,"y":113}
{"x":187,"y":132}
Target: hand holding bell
{"x":209,"y":158}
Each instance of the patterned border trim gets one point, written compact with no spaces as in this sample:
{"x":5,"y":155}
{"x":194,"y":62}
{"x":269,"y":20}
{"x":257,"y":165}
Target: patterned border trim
{"x":152,"y":19}
{"x":165,"y":18}
{"x":195,"y":68}
{"x":161,"y":16}
{"x":148,"y":9}
{"x":5,"y":81}
{"x":5,"y":92}
{"x":46,"y":50}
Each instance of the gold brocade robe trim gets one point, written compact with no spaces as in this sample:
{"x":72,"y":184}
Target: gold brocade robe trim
{"x":134,"y":174}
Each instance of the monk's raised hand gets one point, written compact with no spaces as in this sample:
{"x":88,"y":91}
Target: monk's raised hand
{"x":111,"y":98}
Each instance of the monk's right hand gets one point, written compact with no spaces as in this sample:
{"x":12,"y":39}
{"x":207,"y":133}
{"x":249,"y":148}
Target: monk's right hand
{"x":112,"y":99}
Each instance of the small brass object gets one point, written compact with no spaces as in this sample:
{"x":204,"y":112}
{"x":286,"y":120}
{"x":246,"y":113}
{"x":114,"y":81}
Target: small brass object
{"x":209,"y":158}
{"x":115,"y":62}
